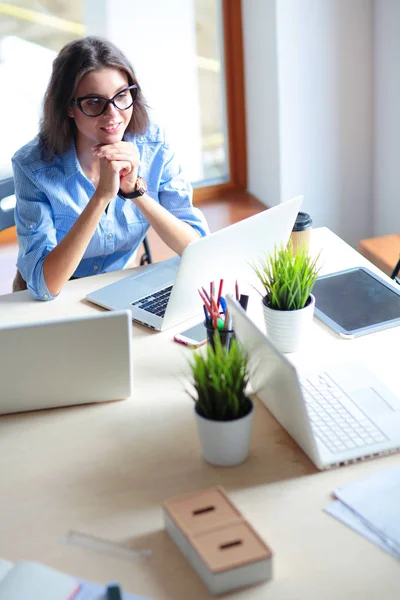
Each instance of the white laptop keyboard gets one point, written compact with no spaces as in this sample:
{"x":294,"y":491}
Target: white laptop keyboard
{"x":332,"y":423}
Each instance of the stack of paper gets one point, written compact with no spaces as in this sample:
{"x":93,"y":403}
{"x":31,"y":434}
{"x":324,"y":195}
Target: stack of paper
{"x":371,"y":507}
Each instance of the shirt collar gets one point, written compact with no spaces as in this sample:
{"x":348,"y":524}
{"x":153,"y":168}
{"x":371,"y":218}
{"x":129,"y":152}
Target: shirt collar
{"x":71,"y":162}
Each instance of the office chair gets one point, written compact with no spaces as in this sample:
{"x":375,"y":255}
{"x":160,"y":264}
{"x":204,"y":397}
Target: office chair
{"x":6,"y":214}
{"x":7,"y":220}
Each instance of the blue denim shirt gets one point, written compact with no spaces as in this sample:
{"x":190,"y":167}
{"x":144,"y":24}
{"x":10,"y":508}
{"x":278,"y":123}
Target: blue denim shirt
{"x":52,"y":195}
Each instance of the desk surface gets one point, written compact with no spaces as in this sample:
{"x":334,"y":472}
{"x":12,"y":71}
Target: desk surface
{"x":106,"y":469}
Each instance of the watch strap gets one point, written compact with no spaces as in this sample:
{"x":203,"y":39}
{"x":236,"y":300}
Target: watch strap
{"x":140,"y":189}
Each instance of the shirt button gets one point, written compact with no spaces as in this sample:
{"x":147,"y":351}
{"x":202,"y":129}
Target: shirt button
{"x":95,"y":267}
{"x":46,"y":296}
{"x":29,"y":226}
{"x":109,"y":236}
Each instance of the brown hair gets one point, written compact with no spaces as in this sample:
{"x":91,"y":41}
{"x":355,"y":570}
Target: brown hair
{"x":75,"y":60}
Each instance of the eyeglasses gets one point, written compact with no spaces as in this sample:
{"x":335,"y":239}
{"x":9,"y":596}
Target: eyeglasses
{"x":94,"y":106}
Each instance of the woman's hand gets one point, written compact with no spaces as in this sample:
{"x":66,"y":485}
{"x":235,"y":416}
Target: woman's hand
{"x":124,"y":159}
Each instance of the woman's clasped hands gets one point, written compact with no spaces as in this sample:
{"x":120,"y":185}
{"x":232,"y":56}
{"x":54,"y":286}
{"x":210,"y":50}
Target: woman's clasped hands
{"x":119,"y":164}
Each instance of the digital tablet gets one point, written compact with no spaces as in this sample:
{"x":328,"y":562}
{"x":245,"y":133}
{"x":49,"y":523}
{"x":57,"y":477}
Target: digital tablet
{"x":356,"y":301}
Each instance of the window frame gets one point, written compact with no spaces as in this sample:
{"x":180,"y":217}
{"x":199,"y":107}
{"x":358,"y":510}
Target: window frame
{"x":235,"y":106}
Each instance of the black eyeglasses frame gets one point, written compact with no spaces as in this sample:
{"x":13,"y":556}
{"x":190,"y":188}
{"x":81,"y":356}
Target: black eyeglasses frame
{"x":78,"y":101}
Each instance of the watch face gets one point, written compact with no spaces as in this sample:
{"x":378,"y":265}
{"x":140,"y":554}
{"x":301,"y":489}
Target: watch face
{"x":141,"y":185}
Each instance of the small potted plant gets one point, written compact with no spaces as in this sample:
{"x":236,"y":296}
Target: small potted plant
{"x":288,"y":279}
{"x":223,"y":411}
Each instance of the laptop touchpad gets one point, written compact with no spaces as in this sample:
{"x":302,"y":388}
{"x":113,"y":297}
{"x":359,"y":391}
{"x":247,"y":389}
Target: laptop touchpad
{"x":371,"y":402}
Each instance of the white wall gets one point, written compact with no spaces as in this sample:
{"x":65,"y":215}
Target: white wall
{"x":387,"y":117}
{"x":262,"y":110}
{"x":322,"y":51}
{"x":159,"y":38}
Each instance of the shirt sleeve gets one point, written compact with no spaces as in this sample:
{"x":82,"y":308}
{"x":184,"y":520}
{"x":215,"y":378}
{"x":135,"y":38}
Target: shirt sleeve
{"x":35,"y":230}
{"x":176,"y":194}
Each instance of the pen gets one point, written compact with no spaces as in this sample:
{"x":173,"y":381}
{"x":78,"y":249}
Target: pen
{"x":206,"y":314}
{"x":223,"y":304}
{"x":243,"y":301}
{"x":220,"y":323}
{"x":396,"y":270}
{"x":113,"y":592}
{"x":237,"y":290}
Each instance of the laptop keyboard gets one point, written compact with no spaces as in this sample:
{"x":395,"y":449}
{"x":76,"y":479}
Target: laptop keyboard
{"x":332,"y":423}
{"x":155,"y":303}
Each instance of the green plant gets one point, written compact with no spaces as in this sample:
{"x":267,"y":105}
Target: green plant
{"x":219,"y":377}
{"x":288,"y":278}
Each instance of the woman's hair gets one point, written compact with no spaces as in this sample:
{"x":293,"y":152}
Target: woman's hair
{"x":75,"y":60}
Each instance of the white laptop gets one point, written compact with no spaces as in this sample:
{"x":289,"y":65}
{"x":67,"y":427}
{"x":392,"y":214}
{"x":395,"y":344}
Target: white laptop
{"x":165,"y":294}
{"x":336,"y":416}
{"x":69,"y":361}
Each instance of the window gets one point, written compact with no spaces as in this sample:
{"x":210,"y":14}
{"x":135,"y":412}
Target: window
{"x":31,"y":34}
{"x":199,"y":94}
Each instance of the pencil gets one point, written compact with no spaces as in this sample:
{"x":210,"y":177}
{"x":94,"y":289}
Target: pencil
{"x":206,"y":304}
{"x":221,"y":283}
{"x":214,"y":306}
{"x":226,"y":322}
{"x":205,"y":293}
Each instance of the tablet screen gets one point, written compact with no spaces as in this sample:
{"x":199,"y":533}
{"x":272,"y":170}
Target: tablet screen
{"x":356,"y":299}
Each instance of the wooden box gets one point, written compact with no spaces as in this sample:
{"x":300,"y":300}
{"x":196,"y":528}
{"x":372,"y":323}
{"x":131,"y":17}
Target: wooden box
{"x":217,"y":541}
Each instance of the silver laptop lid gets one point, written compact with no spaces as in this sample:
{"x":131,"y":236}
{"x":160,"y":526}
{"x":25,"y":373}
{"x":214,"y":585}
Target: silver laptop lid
{"x":274,"y":380}
{"x":228,"y":254}
{"x":69,"y":361}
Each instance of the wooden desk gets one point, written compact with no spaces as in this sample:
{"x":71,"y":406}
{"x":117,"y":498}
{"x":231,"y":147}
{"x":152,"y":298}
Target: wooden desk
{"x":106,"y":469}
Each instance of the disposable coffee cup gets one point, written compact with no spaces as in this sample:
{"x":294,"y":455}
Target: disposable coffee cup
{"x":301,"y":233}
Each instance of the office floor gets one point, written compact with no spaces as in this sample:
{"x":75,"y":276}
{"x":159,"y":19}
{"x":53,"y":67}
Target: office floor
{"x":219,"y":213}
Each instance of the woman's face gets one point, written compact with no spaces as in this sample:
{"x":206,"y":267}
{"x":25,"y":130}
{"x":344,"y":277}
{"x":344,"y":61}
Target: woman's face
{"x":109,"y":127}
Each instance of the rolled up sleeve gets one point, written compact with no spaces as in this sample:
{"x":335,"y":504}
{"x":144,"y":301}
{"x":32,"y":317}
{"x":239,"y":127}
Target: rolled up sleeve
{"x":176,"y":194}
{"x":35,"y":230}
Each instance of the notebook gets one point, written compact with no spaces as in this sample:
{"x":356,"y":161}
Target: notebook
{"x":336,"y":415}
{"x":73,"y":360}
{"x":165,"y":294}
{"x":28,"y":580}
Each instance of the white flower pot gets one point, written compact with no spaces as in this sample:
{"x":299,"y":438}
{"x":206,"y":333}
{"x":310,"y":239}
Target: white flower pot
{"x":287,"y":328}
{"x":225,"y":443}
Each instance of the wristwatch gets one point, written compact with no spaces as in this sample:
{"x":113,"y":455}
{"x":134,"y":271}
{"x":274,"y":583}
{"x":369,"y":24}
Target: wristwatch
{"x":140,"y":189}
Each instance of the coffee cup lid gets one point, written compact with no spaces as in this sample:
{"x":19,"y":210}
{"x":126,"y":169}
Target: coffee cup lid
{"x":303,"y":221}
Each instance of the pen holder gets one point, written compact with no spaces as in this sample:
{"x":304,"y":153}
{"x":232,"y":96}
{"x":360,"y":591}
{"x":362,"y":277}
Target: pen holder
{"x":226,"y":335}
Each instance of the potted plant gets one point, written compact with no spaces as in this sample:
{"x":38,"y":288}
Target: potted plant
{"x":223,"y":411}
{"x":288,"y":279}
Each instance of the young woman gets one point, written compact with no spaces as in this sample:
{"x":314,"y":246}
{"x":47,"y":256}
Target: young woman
{"x":97,"y":176}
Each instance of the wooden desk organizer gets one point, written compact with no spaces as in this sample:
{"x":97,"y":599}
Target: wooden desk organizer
{"x":219,"y":543}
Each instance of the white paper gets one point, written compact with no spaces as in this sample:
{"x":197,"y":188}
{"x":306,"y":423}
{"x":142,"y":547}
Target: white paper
{"x":371,"y":506}
{"x":345,"y":515}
